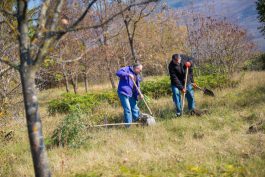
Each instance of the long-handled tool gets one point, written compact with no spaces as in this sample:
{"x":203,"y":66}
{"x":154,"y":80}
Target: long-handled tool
{"x":139,"y":91}
{"x":145,"y":119}
{"x":185,"y":87}
{"x":205,"y":91}
{"x":115,"y":124}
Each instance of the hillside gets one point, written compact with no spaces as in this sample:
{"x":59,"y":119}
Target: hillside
{"x":216,"y":144}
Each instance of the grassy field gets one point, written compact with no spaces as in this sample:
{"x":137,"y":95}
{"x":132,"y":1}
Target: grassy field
{"x":216,"y":144}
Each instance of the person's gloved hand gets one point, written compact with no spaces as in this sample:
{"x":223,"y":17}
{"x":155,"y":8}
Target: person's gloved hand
{"x":183,"y":90}
{"x":131,"y":76}
{"x":194,"y":85}
{"x":188,"y":64}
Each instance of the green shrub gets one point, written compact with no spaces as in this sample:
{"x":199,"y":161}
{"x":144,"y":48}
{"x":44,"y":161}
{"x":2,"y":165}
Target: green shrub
{"x":70,"y":132}
{"x":255,"y":64}
{"x":157,"y":88}
{"x":161,"y":86}
{"x":208,"y":69}
{"x":70,"y":102}
{"x":215,"y":81}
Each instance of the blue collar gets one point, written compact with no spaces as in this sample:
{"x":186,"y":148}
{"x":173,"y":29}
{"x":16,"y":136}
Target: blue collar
{"x":131,"y":68}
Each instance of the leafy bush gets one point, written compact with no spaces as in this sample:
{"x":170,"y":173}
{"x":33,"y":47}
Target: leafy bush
{"x":256,"y":64}
{"x":208,"y":69}
{"x":70,"y":102}
{"x":70,"y":132}
{"x":157,"y":88}
{"x":161,"y":86}
{"x":215,"y":81}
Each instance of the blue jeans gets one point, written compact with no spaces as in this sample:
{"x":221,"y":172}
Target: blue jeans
{"x":130,"y":108}
{"x":177,"y":98}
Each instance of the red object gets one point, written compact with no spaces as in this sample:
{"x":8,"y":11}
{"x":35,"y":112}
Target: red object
{"x":183,"y":90}
{"x":188,"y":64}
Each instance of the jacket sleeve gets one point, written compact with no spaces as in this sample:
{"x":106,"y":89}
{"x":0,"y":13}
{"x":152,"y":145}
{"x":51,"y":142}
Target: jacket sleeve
{"x":191,"y":74}
{"x":190,"y":59}
{"x":175,"y":79}
{"x":122,"y":73}
{"x":139,"y":81}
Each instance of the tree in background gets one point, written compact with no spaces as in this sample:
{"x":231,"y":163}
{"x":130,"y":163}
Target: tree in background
{"x":9,"y":77}
{"x":131,"y":18}
{"x":216,"y":44}
{"x":261,"y":11}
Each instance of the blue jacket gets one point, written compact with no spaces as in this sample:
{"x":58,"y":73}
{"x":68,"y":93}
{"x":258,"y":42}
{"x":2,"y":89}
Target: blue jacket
{"x":126,"y":86}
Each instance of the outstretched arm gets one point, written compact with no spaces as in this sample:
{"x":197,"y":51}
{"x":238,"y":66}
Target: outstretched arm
{"x":122,"y":72}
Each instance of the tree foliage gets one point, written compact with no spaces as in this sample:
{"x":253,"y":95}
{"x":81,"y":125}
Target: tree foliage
{"x":261,"y":11}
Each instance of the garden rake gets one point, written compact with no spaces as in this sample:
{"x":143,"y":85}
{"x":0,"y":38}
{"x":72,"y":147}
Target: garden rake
{"x":145,"y":119}
{"x":139,"y":91}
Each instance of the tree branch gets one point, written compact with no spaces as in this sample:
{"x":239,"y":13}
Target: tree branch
{"x":7,"y":13}
{"x":7,"y":94}
{"x":42,"y":52}
{"x":4,"y":71}
{"x":9,"y":63}
{"x":141,"y":16}
{"x":77,"y":58}
{"x":83,"y":15}
{"x":24,"y":42}
{"x":59,"y":34}
{"x":42,"y":21}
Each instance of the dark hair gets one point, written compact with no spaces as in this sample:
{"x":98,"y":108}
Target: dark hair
{"x":136,"y":65}
{"x":176,"y":56}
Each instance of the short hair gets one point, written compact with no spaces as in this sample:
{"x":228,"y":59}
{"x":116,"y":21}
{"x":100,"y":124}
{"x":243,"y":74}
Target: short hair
{"x":135,"y":65}
{"x":176,"y":56}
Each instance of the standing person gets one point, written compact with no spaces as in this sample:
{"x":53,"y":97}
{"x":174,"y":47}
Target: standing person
{"x":127,"y":91}
{"x":177,"y":71}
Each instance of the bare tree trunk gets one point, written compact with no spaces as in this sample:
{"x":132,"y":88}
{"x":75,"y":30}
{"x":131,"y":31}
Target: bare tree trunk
{"x":110,"y":75}
{"x":86,"y":82}
{"x":27,"y":74}
{"x":66,"y":82}
{"x":133,"y":50}
{"x":39,"y":155}
{"x":112,"y":81}
{"x":65,"y":78}
{"x":74,"y":83}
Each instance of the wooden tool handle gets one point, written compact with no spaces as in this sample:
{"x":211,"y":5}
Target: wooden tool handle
{"x":139,"y":91}
{"x":185,"y":87}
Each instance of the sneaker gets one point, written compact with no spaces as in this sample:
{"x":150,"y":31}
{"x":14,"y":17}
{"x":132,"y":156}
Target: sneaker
{"x":178,"y":114}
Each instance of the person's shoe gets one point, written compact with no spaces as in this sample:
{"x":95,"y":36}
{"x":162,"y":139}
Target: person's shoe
{"x":178,"y":114}
{"x":196,"y":112}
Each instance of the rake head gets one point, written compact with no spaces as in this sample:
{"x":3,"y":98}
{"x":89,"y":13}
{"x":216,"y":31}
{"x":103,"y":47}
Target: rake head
{"x":147,"y":119}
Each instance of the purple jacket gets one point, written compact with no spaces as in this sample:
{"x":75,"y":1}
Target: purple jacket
{"x":126,"y":86}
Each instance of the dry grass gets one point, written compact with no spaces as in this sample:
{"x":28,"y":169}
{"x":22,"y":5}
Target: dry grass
{"x":212,"y":145}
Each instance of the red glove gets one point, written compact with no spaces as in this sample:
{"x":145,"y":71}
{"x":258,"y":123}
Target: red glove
{"x":188,"y":64}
